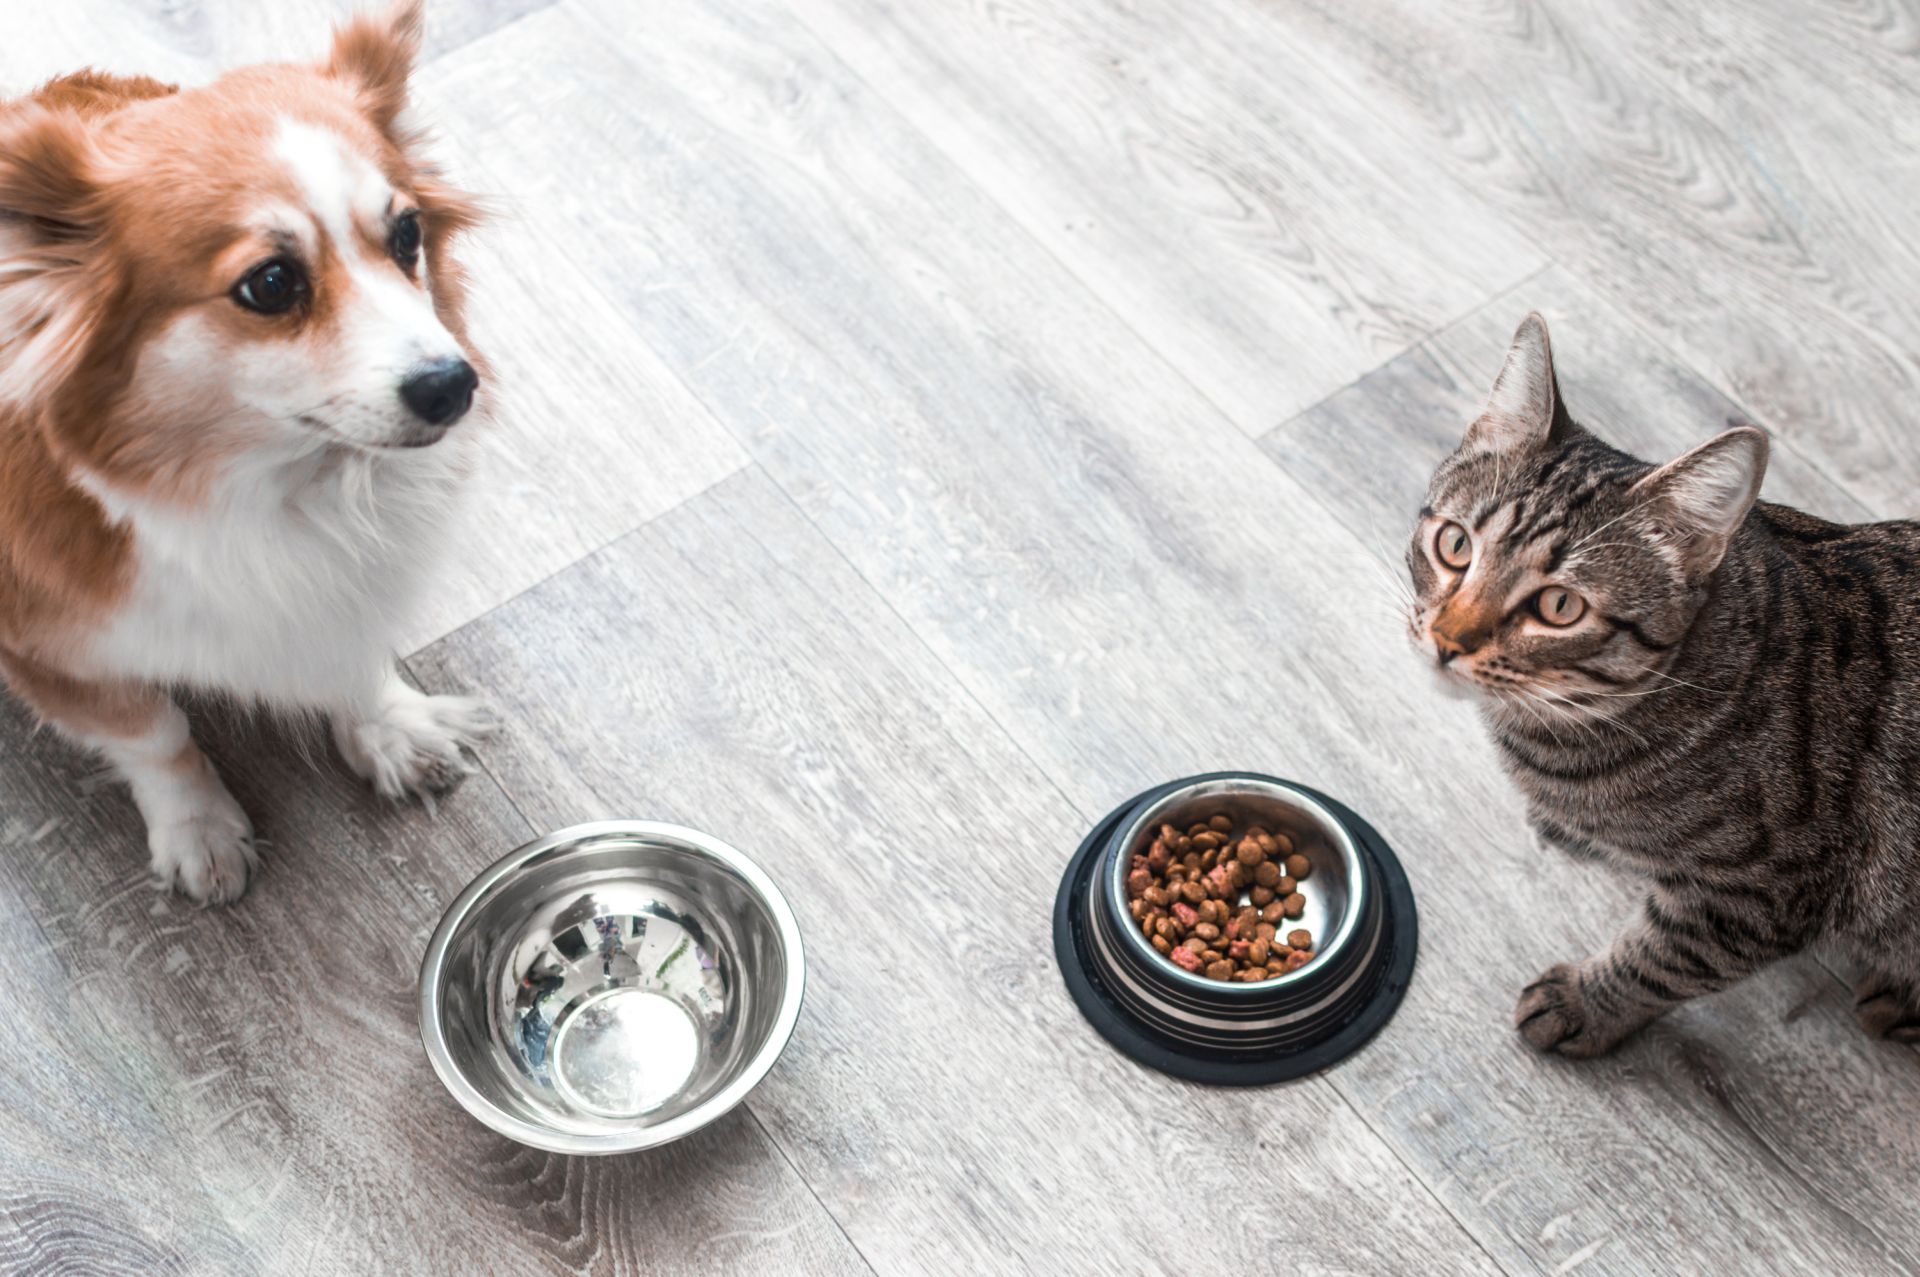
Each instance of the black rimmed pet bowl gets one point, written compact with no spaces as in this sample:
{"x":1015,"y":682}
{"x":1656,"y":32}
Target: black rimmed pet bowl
{"x":1359,"y":908}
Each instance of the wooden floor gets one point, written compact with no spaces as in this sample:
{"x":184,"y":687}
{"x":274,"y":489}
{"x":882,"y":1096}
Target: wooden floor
{"x":927,"y":424}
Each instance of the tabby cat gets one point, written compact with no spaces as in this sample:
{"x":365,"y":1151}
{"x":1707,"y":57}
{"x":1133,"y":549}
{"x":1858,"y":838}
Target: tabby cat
{"x":1722,"y":696}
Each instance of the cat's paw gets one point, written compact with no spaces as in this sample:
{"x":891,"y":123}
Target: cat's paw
{"x":1887,"y":1009}
{"x":1553,"y":1015}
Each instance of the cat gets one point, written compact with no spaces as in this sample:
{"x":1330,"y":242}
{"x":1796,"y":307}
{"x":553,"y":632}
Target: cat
{"x":1719,"y":694}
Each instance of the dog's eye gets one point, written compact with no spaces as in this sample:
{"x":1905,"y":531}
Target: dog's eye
{"x":406,"y":238}
{"x":271,"y":287}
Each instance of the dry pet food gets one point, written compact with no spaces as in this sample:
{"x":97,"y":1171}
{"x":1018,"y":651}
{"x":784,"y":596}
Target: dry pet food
{"x":1211,"y":899}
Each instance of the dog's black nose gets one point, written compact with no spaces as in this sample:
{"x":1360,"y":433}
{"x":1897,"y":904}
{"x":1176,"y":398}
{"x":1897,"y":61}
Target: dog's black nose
{"x":440,"y":392}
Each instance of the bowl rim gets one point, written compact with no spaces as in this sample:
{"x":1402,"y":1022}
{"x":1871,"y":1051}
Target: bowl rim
{"x":433,"y":971}
{"x":1222,"y":784}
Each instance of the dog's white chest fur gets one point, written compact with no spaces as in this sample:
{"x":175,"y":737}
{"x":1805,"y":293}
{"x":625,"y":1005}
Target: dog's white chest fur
{"x":288,"y":585}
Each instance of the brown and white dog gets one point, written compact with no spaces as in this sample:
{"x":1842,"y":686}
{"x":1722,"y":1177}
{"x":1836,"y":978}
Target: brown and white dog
{"x":232,"y":371}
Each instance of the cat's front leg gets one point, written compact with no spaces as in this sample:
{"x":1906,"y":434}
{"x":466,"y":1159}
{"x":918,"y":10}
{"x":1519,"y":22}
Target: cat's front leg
{"x":1548,"y":832}
{"x":1680,"y":946}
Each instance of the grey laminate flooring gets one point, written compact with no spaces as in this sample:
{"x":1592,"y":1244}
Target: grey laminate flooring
{"x":928,"y":424}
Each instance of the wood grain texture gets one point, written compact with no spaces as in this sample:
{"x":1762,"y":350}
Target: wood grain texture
{"x":1119,"y":579}
{"x":994,"y":294}
{"x":1252,"y":218}
{"x":724,"y":667}
{"x":243,"y":1090}
{"x":1733,"y":175}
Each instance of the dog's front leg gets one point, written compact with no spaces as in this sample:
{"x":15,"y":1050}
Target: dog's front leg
{"x":407,"y":743}
{"x":200,"y":840}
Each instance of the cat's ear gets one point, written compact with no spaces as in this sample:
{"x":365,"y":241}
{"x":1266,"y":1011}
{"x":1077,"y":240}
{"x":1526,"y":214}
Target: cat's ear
{"x":1697,"y":502}
{"x":1524,"y":408}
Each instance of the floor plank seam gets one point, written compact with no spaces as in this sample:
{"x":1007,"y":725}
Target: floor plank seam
{"x":577,"y":560}
{"x":1387,"y":1143}
{"x":1492,"y":299}
{"x":1774,"y":432}
{"x":461,"y":45}
{"x":920,"y":640}
{"x":747,"y":1107}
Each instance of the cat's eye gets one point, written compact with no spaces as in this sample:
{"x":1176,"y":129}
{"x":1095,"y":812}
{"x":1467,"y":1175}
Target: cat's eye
{"x":271,"y":287}
{"x":1453,"y":546}
{"x":1557,"y":605}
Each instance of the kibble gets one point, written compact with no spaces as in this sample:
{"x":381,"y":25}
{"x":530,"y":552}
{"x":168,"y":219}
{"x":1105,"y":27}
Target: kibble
{"x":1211,"y":899}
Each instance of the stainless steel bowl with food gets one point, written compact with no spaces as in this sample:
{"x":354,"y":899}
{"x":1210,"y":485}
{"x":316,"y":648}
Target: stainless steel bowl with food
{"x":1235,"y":928}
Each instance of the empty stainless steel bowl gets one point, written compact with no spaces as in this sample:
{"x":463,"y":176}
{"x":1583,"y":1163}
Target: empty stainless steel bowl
{"x":610,"y":987}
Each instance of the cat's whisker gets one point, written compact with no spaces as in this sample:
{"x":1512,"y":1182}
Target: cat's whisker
{"x":1563,"y":710}
{"x":1395,"y":573}
{"x":1525,"y":702}
{"x":1681,"y":682}
{"x":1592,"y":716}
{"x":1628,"y":695}
{"x":1377,"y":561}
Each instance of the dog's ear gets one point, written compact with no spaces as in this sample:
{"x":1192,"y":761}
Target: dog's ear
{"x":46,"y":183}
{"x":50,"y":212}
{"x":375,"y":54}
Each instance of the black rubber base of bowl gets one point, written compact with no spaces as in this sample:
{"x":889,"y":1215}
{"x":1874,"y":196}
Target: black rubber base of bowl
{"x":1218,"y":1068}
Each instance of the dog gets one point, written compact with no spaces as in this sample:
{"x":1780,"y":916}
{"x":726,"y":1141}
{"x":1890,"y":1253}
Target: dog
{"x":236,"y":408}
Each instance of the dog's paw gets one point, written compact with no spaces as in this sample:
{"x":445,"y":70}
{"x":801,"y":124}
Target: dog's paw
{"x":1887,"y":1009}
{"x":1553,"y":1016}
{"x":204,"y":849}
{"x":414,"y":746}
